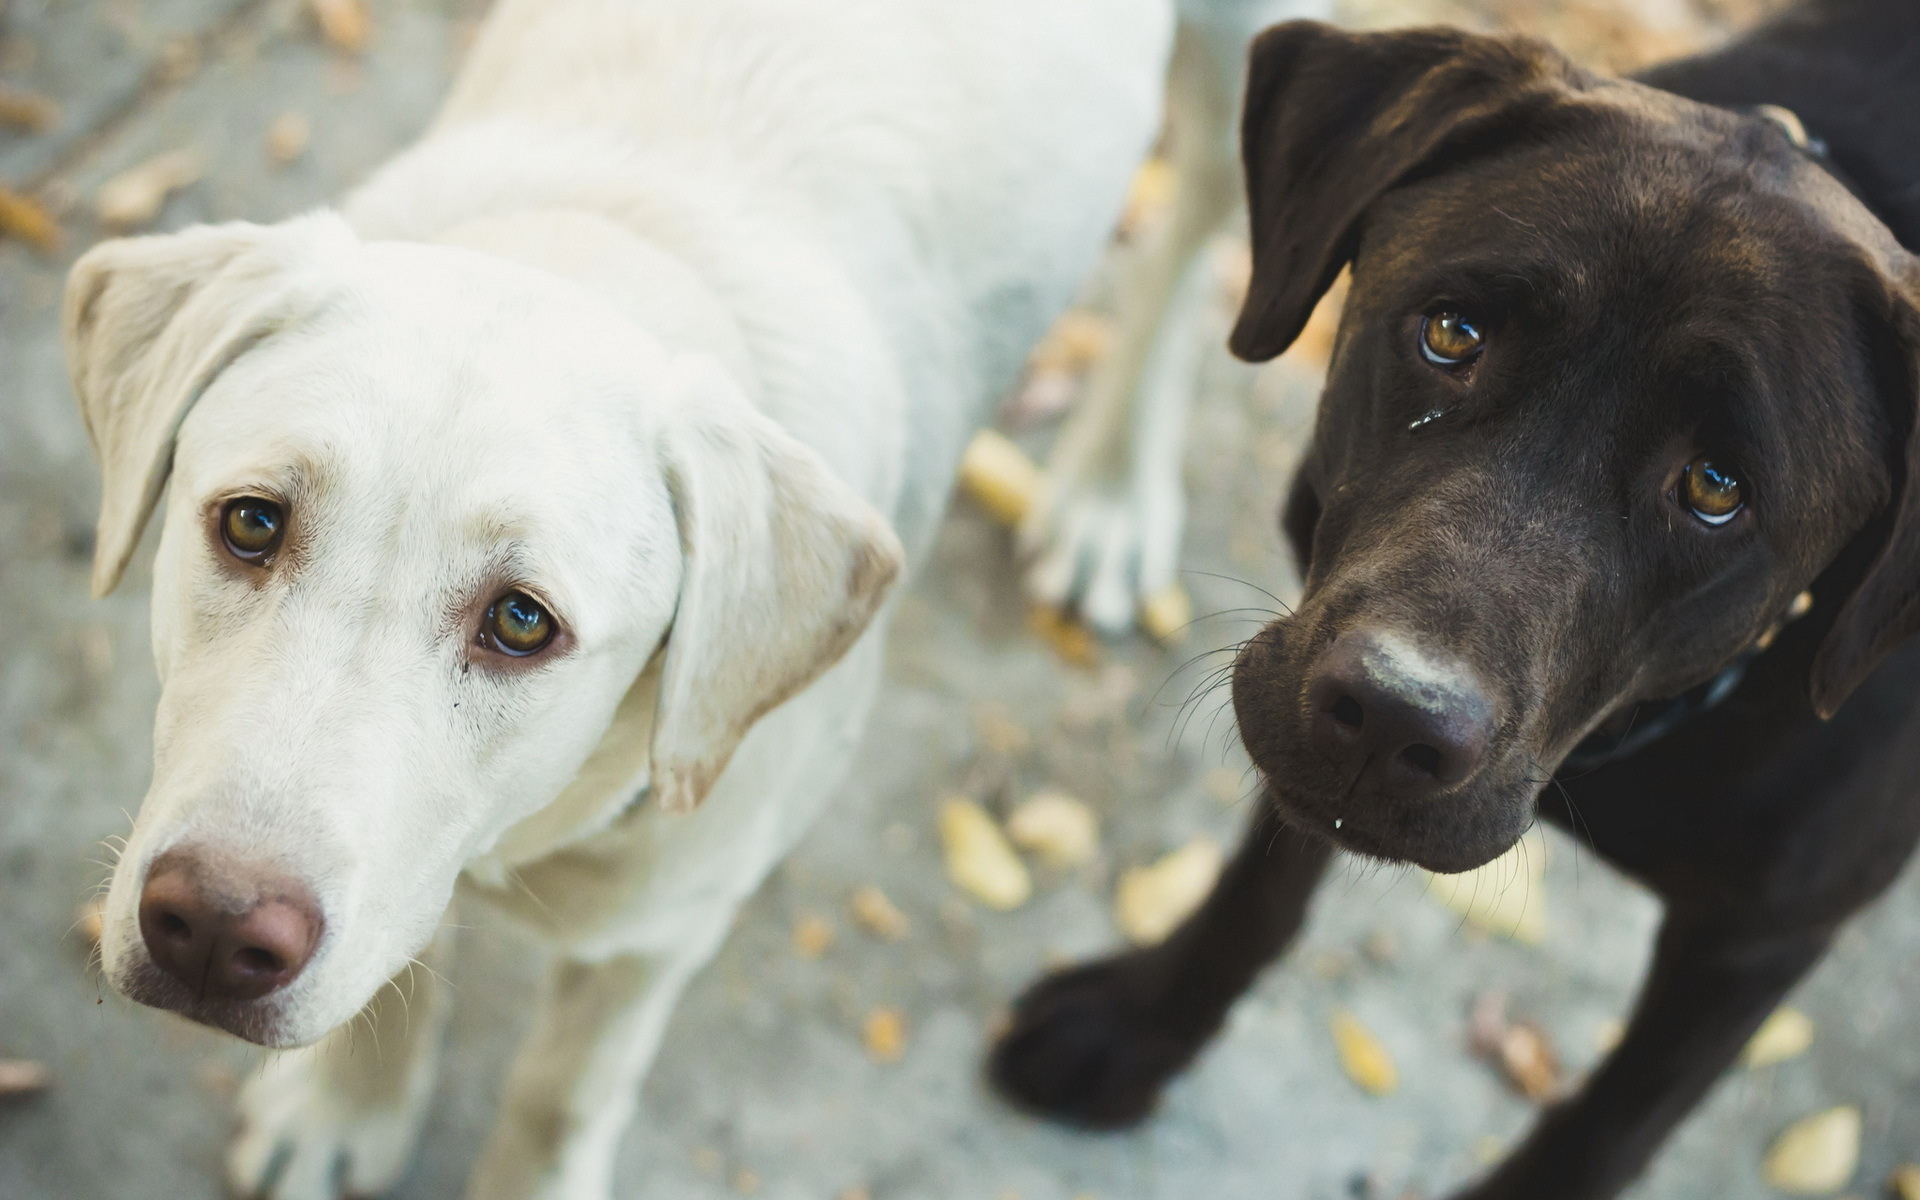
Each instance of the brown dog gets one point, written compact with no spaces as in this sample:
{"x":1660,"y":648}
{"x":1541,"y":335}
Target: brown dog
{"x":1624,"y":378}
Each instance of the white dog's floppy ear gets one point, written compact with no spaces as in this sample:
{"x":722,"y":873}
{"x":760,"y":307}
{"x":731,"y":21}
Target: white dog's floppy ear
{"x":784,"y":566}
{"x":149,"y":322}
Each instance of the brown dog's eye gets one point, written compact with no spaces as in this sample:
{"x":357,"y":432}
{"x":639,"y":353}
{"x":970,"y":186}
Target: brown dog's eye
{"x":518,"y":625}
{"x":1712,"y":492}
{"x":1448,"y":339}
{"x":252,"y":528}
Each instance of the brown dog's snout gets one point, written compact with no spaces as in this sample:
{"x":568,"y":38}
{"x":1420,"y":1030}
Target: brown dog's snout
{"x":1376,"y":701}
{"x":226,"y":932}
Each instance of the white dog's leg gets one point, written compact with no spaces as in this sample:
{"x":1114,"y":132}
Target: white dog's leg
{"x":576,"y":1080}
{"x":340,"y":1117}
{"x":1106,"y":534}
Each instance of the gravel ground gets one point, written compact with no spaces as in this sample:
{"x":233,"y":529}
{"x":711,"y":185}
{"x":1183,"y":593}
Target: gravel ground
{"x":764,"y":1087}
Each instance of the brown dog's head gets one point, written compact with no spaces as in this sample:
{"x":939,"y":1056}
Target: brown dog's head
{"x":1619,"y":376}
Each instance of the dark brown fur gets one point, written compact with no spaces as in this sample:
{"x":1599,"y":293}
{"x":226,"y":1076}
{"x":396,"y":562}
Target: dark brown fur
{"x":1658,"y":278}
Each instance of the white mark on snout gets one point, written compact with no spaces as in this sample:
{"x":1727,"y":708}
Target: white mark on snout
{"x":1401,"y":668}
{"x":1339,"y":821}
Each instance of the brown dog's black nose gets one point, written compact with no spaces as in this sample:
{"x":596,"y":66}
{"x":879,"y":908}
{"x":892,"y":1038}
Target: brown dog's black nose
{"x":1375,"y":698}
{"x":225,"y":932}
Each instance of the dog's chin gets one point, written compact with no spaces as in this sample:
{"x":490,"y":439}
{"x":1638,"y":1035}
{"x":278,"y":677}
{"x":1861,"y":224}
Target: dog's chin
{"x":268,"y":1021}
{"x":1447,"y":835}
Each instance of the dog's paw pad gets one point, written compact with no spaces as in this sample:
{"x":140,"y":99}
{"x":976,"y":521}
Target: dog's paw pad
{"x":1079,"y":1051}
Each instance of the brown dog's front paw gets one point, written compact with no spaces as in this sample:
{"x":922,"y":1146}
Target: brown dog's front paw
{"x":1082,"y":1049}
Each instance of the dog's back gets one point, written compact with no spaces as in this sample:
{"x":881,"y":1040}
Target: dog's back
{"x":1850,"y":69}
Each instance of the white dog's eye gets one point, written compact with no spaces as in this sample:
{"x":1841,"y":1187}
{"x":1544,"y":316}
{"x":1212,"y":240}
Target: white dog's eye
{"x":518,"y":625}
{"x":252,"y":528}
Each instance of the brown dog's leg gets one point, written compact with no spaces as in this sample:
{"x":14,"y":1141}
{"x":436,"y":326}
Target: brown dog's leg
{"x":1709,"y":988}
{"x":1094,"y":1044}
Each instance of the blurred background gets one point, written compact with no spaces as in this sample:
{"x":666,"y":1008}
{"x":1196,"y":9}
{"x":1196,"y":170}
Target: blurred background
{"x":832,"y":1050}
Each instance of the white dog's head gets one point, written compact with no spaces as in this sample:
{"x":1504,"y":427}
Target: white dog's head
{"x":431,"y":515}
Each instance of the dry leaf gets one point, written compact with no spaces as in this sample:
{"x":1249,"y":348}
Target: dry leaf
{"x":346,"y":24}
{"x":287,"y":138}
{"x":1784,"y":1035}
{"x":19,"y":1076}
{"x":1071,"y":640}
{"x":1058,"y":828}
{"x":812,"y":935}
{"x":885,"y":1033}
{"x":1904,"y":1183}
{"x":1364,"y":1059}
{"x":1077,"y":340}
{"x":27,"y":112}
{"x":1528,"y":1061}
{"x":1817,"y":1154}
{"x":878,"y":916}
{"x":134,"y":197}
{"x":979,"y":860}
{"x":1505,"y":897}
{"x":1151,"y":900}
{"x":90,"y":919}
{"x":1149,"y":196}
{"x":27,"y":220}
{"x":999,"y":476}
{"x":1166,"y":615}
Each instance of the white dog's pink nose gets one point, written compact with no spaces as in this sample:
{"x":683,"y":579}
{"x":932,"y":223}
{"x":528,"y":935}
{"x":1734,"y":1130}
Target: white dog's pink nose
{"x":225,"y":931}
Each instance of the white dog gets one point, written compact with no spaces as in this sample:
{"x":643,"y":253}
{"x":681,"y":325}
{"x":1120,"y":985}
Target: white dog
{"x":532,"y":517}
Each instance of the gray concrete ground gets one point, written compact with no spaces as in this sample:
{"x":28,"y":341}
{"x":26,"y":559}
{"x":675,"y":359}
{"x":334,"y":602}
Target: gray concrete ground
{"x":764,"y":1086}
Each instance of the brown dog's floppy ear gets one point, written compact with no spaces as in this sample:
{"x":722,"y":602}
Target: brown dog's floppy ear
{"x":784,"y":566}
{"x":1884,"y":609}
{"x":1334,"y":119}
{"x":149,"y":322}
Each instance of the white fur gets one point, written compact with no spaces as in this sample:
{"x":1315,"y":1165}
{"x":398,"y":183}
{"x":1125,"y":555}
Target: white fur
{"x":679,"y":317}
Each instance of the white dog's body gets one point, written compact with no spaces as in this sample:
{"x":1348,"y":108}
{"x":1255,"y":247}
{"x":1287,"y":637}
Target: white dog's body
{"x":678,"y":319}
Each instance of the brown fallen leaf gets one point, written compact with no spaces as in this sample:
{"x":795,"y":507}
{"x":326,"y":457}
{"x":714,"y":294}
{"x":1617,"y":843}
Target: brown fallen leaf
{"x":1071,"y":640}
{"x":1364,"y":1059}
{"x":90,"y":919}
{"x":812,"y":935}
{"x":27,"y":220}
{"x":134,"y":197}
{"x":1528,"y":1061}
{"x":1904,"y":1183}
{"x":287,"y":138}
{"x":877,"y":915}
{"x":885,"y":1033}
{"x":346,"y":24}
{"x":21,"y":1076}
{"x":27,"y":112}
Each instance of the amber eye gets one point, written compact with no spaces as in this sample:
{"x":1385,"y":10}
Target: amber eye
{"x":1712,"y":492}
{"x":252,"y":528}
{"x":1448,"y":339}
{"x":518,"y":625}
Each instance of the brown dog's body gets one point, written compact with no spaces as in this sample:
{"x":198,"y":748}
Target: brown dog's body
{"x":1684,"y":397}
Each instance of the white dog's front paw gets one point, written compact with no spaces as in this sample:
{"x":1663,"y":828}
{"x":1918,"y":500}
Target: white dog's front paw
{"x":1103,"y":550}
{"x":302,"y":1139}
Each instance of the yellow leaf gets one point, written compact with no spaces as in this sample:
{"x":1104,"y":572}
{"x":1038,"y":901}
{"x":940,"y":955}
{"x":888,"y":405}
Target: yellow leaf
{"x":877,"y":915}
{"x":1364,"y":1059}
{"x":1151,"y":900}
{"x":885,"y":1033}
{"x":1058,"y":828}
{"x":999,"y":476}
{"x":1166,"y":614}
{"x":979,"y":860}
{"x":1784,"y":1035}
{"x":25,"y":219}
{"x":1817,"y":1154}
{"x":1904,"y":1183}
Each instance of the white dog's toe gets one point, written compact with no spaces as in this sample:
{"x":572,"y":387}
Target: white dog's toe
{"x":299,"y":1140}
{"x":1101,"y":551}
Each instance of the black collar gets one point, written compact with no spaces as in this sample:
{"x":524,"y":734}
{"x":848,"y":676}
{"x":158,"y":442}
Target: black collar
{"x":1638,"y":727}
